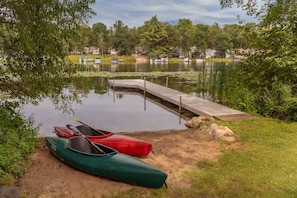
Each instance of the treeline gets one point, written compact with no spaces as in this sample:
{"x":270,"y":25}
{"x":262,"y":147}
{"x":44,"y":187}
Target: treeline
{"x":155,"y":37}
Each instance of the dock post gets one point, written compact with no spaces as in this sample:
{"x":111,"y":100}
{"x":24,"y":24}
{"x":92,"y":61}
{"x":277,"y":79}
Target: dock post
{"x":180,"y":104}
{"x":113,"y":88}
{"x":167,"y":81}
{"x":144,"y":87}
{"x":113,"y":81}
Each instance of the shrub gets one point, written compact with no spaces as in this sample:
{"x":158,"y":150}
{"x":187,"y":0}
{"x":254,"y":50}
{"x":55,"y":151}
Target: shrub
{"x":18,"y":138}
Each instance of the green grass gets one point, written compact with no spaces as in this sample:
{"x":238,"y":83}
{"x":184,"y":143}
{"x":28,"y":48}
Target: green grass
{"x":263,"y":164}
{"x":105,"y":59}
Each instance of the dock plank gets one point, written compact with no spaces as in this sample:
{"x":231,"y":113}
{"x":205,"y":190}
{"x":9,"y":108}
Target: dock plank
{"x":191,"y":103}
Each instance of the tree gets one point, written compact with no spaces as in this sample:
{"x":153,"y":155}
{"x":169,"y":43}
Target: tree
{"x":235,"y":32}
{"x":122,"y":38}
{"x":152,"y":35}
{"x":81,"y":39}
{"x":34,"y":35}
{"x":186,"y":31}
{"x":222,"y":43}
{"x":200,"y":38}
{"x":213,"y":31}
{"x":100,"y":36}
{"x":274,"y":44}
{"x":270,"y":69}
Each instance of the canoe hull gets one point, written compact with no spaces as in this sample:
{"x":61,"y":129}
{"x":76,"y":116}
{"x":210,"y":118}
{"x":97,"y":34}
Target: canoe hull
{"x":115,"y":166}
{"x":122,"y":143}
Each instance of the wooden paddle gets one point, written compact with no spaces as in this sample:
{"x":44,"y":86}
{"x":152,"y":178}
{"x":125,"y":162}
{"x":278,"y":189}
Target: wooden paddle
{"x":76,"y":131}
{"x":77,"y":120}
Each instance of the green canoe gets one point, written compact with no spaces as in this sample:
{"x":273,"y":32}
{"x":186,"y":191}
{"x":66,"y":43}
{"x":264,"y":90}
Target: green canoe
{"x":104,"y":161}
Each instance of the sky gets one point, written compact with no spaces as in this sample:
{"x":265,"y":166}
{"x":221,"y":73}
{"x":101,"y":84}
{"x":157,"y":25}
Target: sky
{"x":134,"y":13}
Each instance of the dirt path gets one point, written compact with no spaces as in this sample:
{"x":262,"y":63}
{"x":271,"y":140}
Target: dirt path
{"x":174,"y":152}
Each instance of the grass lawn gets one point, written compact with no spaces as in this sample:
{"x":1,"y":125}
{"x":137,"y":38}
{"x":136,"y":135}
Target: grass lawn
{"x":105,"y":59}
{"x":262,"y":164}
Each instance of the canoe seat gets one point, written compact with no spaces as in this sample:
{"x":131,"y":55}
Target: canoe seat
{"x":86,"y":130}
{"x":79,"y":143}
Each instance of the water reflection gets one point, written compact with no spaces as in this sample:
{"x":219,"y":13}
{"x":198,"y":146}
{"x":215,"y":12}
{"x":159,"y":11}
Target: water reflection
{"x":109,"y":111}
{"x":146,"y":67}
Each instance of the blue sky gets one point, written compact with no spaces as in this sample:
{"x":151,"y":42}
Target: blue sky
{"x":134,"y":13}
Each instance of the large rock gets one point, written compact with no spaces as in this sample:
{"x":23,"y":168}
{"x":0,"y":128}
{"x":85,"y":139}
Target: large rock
{"x":216,"y":132}
{"x":199,"y":122}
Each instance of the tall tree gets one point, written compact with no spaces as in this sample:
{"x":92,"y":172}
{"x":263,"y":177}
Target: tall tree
{"x":213,"y":31}
{"x":274,"y":43}
{"x":222,"y":43}
{"x":122,"y":38}
{"x":81,"y":38}
{"x":235,"y":32}
{"x":100,"y":36}
{"x":34,"y":35}
{"x":200,"y":38}
{"x":153,"y":34}
{"x":186,"y":31}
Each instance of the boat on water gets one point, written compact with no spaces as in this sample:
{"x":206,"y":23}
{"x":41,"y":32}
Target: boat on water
{"x":187,"y":60}
{"x":97,"y":159}
{"x":122,"y":143}
{"x":114,"y":61}
{"x":199,"y":60}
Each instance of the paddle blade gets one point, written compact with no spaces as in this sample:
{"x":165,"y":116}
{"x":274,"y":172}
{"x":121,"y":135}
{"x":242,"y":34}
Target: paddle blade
{"x":75,"y":119}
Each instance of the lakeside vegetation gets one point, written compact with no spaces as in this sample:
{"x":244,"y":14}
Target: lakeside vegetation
{"x":18,"y":138}
{"x":106,"y":59}
{"x":261,"y":165}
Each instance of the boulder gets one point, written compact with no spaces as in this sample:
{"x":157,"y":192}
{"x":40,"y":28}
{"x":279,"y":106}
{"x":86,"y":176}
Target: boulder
{"x":198,"y":122}
{"x":216,"y":132}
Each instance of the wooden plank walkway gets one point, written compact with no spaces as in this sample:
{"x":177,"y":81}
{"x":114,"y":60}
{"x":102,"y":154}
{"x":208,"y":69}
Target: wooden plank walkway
{"x":191,"y":103}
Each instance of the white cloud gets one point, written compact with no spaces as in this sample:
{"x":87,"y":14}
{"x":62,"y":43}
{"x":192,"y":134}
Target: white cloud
{"x":135,"y":12}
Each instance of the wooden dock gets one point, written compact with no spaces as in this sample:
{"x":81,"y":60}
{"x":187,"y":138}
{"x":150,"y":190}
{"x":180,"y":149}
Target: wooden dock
{"x":191,"y":103}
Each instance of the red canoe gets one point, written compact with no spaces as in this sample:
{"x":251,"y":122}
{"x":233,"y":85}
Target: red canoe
{"x":122,"y":143}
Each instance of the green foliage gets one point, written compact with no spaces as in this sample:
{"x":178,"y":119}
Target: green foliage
{"x":236,"y":34}
{"x":82,"y":37}
{"x":222,"y":42}
{"x":17,"y":142}
{"x":185,"y":30}
{"x":152,"y":35}
{"x":123,"y":39}
{"x":278,"y":102}
{"x":156,"y":38}
{"x":100,"y":37}
{"x":200,"y":38}
{"x":222,"y":82}
{"x":270,"y":69}
{"x":34,"y":37}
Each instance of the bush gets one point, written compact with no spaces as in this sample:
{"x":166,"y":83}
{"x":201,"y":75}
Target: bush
{"x":279,"y":102}
{"x":18,"y":138}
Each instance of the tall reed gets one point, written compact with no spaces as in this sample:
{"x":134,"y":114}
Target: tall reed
{"x":213,"y":81}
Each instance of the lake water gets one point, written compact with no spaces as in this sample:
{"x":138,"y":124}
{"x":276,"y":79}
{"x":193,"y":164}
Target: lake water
{"x":100,"y":107}
{"x":109,"y":111}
